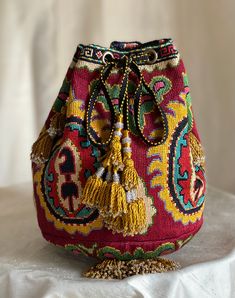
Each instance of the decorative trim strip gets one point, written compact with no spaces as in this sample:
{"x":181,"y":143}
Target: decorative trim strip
{"x":94,"y":53}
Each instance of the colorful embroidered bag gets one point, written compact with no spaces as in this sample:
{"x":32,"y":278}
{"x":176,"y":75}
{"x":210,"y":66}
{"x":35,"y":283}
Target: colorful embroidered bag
{"x":118,"y":168}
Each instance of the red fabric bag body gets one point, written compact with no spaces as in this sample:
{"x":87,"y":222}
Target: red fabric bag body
{"x":165,"y":146}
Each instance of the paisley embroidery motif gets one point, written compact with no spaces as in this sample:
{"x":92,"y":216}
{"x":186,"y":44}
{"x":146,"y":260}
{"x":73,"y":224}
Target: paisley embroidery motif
{"x":60,"y":190}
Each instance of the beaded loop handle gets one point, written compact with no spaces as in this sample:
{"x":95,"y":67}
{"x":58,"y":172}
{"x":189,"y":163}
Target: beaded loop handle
{"x":101,"y":85}
{"x":128,"y":64}
{"x":137,"y":106}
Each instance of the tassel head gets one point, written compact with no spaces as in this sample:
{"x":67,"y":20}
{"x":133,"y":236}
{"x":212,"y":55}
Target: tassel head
{"x":130,"y":176}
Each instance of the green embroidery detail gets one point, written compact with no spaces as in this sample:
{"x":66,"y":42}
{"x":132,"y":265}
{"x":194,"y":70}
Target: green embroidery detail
{"x":85,"y":144}
{"x":81,"y":248}
{"x":108,"y":251}
{"x":181,"y":243}
{"x":146,"y":107}
{"x":76,"y":126}
{"x":188,"y":101}
{"x":87,"y":173}
{"x":139,"y":253}
{"x":152,"y":207}
{"x":59,"y":103}
{"x":65,"y":86}
{"x":114,"y":92}
{"x":161,"y":86}
{"x":132,"y":123}
{"x":101,"y":98}
{"x":95,"y":153}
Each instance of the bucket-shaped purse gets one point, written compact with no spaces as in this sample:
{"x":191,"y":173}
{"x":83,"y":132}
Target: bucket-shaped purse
{"x":118,"y":168}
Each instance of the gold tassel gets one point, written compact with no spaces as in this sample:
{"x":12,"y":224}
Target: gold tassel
{"x":117,"y":269}
{"x":108,"y":196}
{"x":41,"y":149}
{"x":104,"y":194}
{"x":130,"y":176}
{"x":123,"y":212}
{"x":114,"y":224}
{"x":118,"y":204}
{"x":58,"y":121}
{"x":113,"y":193}
{"x":91,"y":191}
{"x":196,"y":150}
{"x":114,"y":155}
{"x":104,"y":197}
{"x":112,"y":198}
{"x":132,"y":222}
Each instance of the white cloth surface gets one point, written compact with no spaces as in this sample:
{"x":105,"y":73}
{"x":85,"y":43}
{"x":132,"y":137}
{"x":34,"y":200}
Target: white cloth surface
{"x":38,"y":39}
{"x":32,"y":268}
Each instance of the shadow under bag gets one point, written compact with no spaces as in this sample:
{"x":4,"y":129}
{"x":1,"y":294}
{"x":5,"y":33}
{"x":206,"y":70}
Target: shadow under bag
{"x":118,"y":167}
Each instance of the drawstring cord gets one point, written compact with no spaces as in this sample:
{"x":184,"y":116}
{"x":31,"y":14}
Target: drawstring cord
{"x":113,"y":189}
{"x":127,"y":64}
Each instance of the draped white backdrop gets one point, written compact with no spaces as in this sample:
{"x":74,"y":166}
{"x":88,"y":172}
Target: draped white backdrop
{"x":38,"y":39}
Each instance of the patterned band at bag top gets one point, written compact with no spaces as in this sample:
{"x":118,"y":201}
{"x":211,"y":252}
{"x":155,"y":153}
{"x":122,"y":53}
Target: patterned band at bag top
{"x":159,"y":50}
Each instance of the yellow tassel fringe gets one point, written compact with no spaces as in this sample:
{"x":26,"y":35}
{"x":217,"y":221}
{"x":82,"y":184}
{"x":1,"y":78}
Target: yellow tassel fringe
{"x":132,"y":222}
{"x":41,"y":149}
{"x":112,"y":199}
{"x":117,"y":269}
{"x":104,"y":197}
{"x":118,"y":204}
{"x":135,"y":219}
{"x":91,"y":191}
